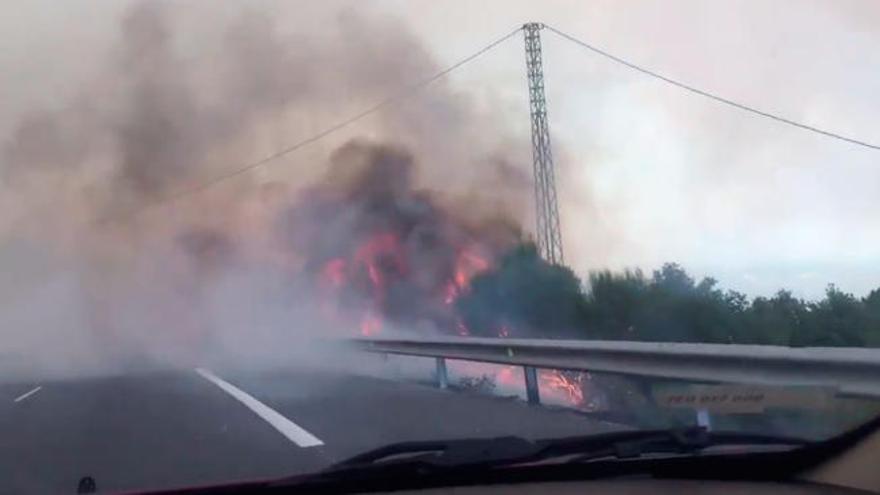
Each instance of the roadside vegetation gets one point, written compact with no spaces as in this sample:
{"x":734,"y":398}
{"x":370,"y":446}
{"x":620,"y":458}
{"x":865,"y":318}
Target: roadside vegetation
{"x":528,"y":297}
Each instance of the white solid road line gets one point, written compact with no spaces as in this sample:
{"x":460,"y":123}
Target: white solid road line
{"x":287,"y":427}
{"x":27,"y":394}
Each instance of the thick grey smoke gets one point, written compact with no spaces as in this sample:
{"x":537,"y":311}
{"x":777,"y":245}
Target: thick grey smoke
{"x":383,"y":248}
{"x":110,"y":271}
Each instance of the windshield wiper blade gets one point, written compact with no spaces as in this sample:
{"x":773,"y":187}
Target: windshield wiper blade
{"x":445,"y":456}
{"x":504,"y":450}
{"x":406,"y":459}
{"x":633,"y":444}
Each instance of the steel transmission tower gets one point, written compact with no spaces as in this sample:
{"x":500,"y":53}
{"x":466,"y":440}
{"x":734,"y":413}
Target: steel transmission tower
{"x":546,"y":208}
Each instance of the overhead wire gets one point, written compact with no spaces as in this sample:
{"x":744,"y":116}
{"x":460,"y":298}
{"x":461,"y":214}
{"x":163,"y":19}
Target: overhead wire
{"x":713,"y":96}
{"x":413,"y":88}
{"x":400,"y":95}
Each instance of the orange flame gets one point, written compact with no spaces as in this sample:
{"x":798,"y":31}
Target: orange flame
{"x":569,"y":384}
{"x":374,"y":267}
{"x":370,"y":325}
{"x":560,"y":387}
{"x":333,"y":273}
{"x":468,"y":264}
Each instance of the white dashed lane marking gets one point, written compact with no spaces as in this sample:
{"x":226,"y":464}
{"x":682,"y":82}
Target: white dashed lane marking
{"x":27,"y":394}
{"x":286,"y":427}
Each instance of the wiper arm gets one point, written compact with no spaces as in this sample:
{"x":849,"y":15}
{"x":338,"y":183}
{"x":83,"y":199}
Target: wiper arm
{"x":405,"y":459}
{"x":446,"y":453}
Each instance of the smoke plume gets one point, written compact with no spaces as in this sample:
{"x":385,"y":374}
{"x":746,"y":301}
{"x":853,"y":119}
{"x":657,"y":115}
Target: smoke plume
{"x":116,"y":264}
{"x":368,"y":234}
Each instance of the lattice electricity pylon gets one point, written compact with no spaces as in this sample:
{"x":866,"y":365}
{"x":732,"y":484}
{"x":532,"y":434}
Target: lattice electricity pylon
{"x":548,"y":232}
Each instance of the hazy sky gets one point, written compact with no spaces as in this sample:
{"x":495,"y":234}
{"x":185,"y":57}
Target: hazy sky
{"x":648,"y":173}
{"x":672,"y":176}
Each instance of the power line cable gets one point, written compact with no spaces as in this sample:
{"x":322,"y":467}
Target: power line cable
{"x":712,"y":96}
{"x":402,"y":94}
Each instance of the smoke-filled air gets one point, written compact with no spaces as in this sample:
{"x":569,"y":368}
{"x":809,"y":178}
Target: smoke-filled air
{"x":116,"y":255}
{"x":176,"y":201}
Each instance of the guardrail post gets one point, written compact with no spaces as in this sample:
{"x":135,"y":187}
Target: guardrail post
{"x":704,"y":419}
{"x":442,"y":376}
{"x":532,"y":394}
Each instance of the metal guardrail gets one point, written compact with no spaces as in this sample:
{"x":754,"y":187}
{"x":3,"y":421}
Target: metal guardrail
{"x":851,"y":371}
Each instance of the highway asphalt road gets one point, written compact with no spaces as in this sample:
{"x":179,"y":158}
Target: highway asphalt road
{"x":197,"y":427}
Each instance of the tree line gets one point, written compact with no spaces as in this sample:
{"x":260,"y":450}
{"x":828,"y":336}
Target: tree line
{"x":527,"y":297}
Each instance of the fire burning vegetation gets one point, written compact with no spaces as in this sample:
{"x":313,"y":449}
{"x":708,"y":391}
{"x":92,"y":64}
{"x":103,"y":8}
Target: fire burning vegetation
{"x":420,"y":236}
{"x":382,"y":254}
{"x":108,"y":259}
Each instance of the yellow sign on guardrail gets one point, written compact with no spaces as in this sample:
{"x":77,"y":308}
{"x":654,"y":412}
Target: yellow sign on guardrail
{"x":733,"y":399}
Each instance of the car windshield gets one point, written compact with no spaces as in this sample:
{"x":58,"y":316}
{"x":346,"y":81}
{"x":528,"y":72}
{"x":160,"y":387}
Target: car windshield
{"x":248,"y":240}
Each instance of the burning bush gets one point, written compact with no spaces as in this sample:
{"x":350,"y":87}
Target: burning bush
{"x":379,"y":249}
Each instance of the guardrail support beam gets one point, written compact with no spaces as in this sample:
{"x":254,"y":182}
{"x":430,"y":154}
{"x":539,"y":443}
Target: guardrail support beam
{"x":850,"y":371}
{"x":441,"y":374}
{"x":532,"y":394}
{"x":704,"y":419}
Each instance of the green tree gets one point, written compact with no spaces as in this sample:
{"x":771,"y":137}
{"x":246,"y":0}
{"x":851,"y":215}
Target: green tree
{"x":526,"y":296}
{"x":678,"y":310}
{"x":837,"y":320}
{"x":530,"y":297}
{"x":614,"y":304}
{"x":775,"y":321}
{"x":872,"y":308}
